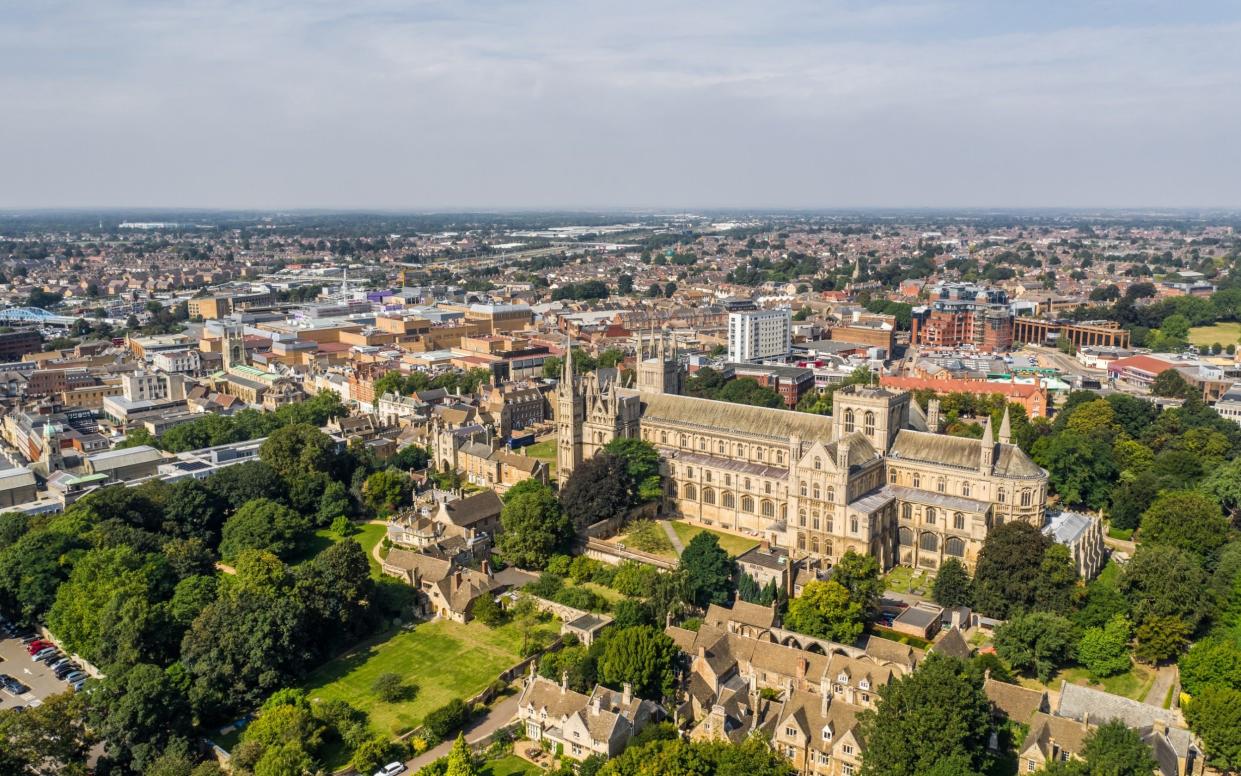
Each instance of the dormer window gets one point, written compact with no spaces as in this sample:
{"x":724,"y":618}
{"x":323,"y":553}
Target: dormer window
{"x":827,"y":733}
{"x":843,"y":678}
{"x":790,"y":732}
{"x":864,"y":684}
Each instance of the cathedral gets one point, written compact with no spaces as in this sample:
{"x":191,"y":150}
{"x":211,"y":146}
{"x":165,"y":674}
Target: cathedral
{"x":874,"y":477}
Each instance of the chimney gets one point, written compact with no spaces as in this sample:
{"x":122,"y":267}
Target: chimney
{"x":486,"y":566}
{"x":564,"y":682}
{"x":626,"y":694}
{"x":825,"y":699}
{"x":596,"y":703}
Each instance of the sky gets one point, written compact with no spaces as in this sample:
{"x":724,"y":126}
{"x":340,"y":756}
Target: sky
{"x":541,"y":104}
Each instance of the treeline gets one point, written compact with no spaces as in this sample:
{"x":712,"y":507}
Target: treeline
{"x":708,"y":383}
{"x":128,"y":579}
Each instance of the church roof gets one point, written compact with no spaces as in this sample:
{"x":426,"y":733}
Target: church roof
{"x":961,"y":453}
{"x":774,"y":424}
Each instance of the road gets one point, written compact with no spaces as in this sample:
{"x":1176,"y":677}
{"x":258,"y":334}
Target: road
{"x":1165,"y":678}
{"x":500,"y":715}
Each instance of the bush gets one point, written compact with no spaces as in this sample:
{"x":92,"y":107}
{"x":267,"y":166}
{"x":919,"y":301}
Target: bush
{"x":343,"y":527}
{"x":634,"y":579}
{"x":648,"y":536}
{"x":377,"y":752}
{"x":488,"y":612}
{"x":559,"y":565}
{"x":581,"y":598}
{"x":447,"y":719}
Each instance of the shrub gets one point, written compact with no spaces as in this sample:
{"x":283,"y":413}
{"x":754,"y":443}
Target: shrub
{"x":447,"y":719}
{"x":648,"y":536}
{"x":343,"y":526}
{"x":390,"y":688}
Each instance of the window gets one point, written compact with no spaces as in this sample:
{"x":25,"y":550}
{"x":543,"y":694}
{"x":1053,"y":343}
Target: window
{"x":790,"y":732}
{"x":801,"y":541}
{"x":831,"y":494}
{"x":818,"y":462}
{"x":907,"y":511}
{"x":814,"y":544}
{"x":815,"y":523}
{"x":906,"y":537}
{"x":769,"y":508}
{"x":965,"y":489}
{"x":954,"y":547}
{"x":827,"y":546}
{"x":1026,"y":498}
{"x":741,"y":451}
{"x":917,"y":480}
{"x":892,"y":477}
{"x":869,"y":423}
{"x":728,"y":479}
{"x":929,"y":542}
{"x":747,"y":504}
{"x":702,"y":444}
{"x":689,"y":471}
{"x":767,"y":488}
{"x":818,"y":494}
{"x":829,"y":522}
{"x":708,"y":496}
{"x":930,"y":515}
{"x":779,"y":456}
{"x":801,"y":517}
{"x":999,"y":495}
{"x":801,"y":489}
{"x":691,"y":493}
{"x":941,"y":485}
{"x":958,"y":521}
{"x":747,"y":483}
{"x":847,"y":749}
{"x":684,"y":442}
{"x":853,"y":525}
{"x":663,"y":437}
{"x":727,"y":501}
{"x":846,"y":769}
{"x":848,"y":421}
{"x":706,"y":475}
{"x":827,"y":734}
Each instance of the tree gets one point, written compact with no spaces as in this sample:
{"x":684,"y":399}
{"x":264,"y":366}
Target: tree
{"x":1188,"y":520}
{"x":137,"y":713}
{"x":1212,"y":662}
{"x":389,"y":687}
{"x":1115,"y":749}
{"x":1057,"y":580}
{"x":642,"y":463}
{"x":1009,"y":569}
{"x":534,"y":525}
{"x":386,"y":490}
{"x":460,"y":759}
{"x":707,"y":570}
{"x":1163,"y":581}
{"x":192,"y":510}
{"x":860,"y":576}
{"x":745,"y":390}
{"x":936,"y":713}
{"x":1080,"y":467}
{"x":1094,"y":418}
{"x":643,"y":657}
{"x":826,"y":610}
{"x":374,"y":753}
{"x":1160,"y":637}
{"x":1105,"y":651}
{"x":1132,"y":498}
{"x":1215,"y":715}
{"x":261,"y":524}
{"x":296,"y":449}
{"x":334,"y":503}
{"x":669,"y":756}
{"x":50,"y":738}
{"x":952,"y":584}
{"x":1040,"y":642}
{"x":447,"y":719}
{"x":1171,"y":384}
{"x":598,"y":489}
{"x":245,"y":482}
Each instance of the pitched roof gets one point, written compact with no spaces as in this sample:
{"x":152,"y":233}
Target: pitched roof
{"x":471,"y":509}
{"x":961,"y":453}
{"x":950,"y":642}
{"x":769,"y":423}
{"x":1018,"y":703}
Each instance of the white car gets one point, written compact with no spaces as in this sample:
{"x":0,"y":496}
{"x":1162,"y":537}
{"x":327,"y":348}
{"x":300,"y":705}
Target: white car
{"x":391,"y":769}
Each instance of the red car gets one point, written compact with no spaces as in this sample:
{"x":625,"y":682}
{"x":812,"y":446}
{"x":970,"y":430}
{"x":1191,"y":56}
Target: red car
{"x":37,"y":645}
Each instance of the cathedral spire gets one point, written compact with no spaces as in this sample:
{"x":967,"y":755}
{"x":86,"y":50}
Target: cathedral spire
{"x":1006,"y":430}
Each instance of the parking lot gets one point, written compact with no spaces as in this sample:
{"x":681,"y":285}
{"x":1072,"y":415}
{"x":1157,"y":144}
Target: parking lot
{"x":37,"y":676}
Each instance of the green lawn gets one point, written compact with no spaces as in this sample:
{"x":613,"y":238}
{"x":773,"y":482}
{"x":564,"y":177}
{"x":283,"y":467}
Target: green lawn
{"x":442,"y":660}
{"x":734,"y":545}
{"x":510,"y":765}
{"x":1224,"y":333}
{"x":603,"y":591}
{"x":903,"y":579}
{"x":370,"y":535}
{"x":1134,"y":683}
{"x":545,"y":451}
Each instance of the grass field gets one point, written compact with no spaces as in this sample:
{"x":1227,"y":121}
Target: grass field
{"x":441,"y":660}
{"x":370,"y":535}
{"x":1133,"y":684}
{"x":512,"y":765}
{"x":1225,"y":333}
{"x":903,"y":579}
{"x":734,"y":545}
{"x":545,"y":451}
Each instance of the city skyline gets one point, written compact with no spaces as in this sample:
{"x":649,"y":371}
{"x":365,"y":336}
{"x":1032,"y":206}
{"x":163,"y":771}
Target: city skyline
{"x":400,"y":106}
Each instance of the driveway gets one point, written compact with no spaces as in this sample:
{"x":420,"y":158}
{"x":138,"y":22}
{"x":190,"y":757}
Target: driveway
{"x":15,"y":662}
{"x":500,"y":715}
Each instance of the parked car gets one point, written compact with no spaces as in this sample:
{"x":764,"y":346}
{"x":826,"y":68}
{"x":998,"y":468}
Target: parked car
{"x":42,"y":653}
{"x":38,"y":644}
{"x":68,"y":668}
{"x":29,"y":639}
{"x":75,"y":677}
{"x":50,"y":658}
{"x":77,"y":686}
{"x":391,"y":769}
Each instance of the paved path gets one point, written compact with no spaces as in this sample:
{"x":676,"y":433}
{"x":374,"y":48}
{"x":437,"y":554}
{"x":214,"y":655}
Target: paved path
{"x":500,"y":715}
{"x":1165,"y":677}
{"x":672,"y":537}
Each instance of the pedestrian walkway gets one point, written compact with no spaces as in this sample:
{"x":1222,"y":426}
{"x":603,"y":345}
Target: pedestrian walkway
{"x":672,"y":537}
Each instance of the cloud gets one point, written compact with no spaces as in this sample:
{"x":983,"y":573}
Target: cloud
{"x":577,"y":103}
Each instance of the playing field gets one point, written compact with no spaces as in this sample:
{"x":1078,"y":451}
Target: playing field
{"x":439,"y":660}
{"x":1226,"y":334}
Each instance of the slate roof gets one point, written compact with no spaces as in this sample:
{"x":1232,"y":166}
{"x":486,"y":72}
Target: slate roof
{"x":471,"y":509}
{"x":961,"y":453}
{"x":766,"y":422}
{"x":1016,"y":702}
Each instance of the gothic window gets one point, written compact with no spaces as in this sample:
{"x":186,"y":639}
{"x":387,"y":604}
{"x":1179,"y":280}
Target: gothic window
{"x":892,"y":477}
{"x":954,"y":547}
{"x":907,"y":511}
{"x":801,"y":489}
{"x":917,"y":480}
{"x":849,"y":421}
{"x":801,"y":517}
{"x":999,"y":495}
{"x":941,"y":485}
{"x":708,"y":496}
{"x":930,"y":515}
{"x":853,"y":525}
{"x":801,"y":541}
{"x":818,"y":462}
{"x":663,"y":437}
{"x":727,"y":500}
{"x":672,"y":489}
{"x":958,"y":521}
{"x":869,"y":423}
{"x":769,"y":508}
{"x":689,"y":471}
{"x":818,"y":494}
{"x":779,"y":456}
{"x":815,"y":519}
{"x":965,"y":489}
{"x":684,"y":442}
{"x":1026,"y":498}
{"x":906,"y":536}
{"x":747,"y":504}
{"x":691,"y":493}
{"x":831,"y":495}
{"x":929,"y":542}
